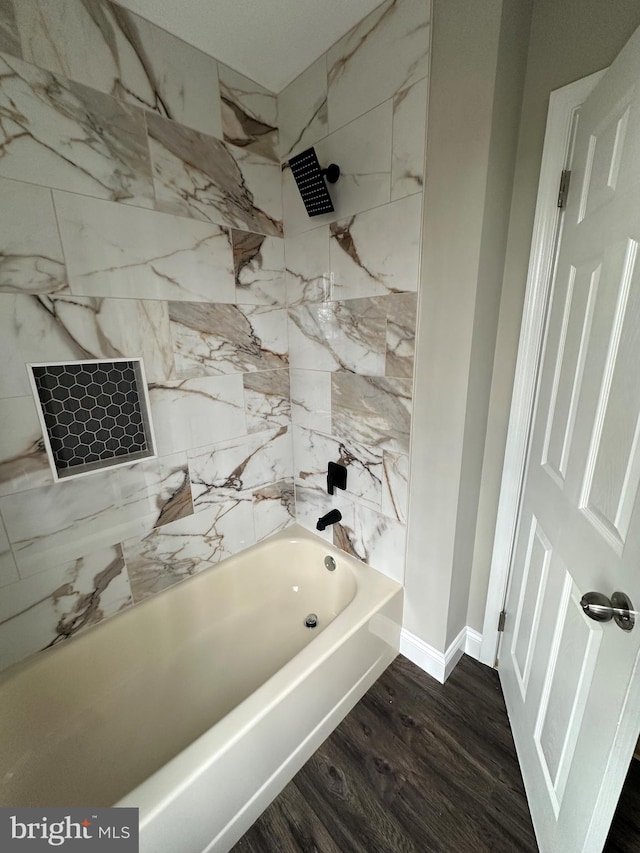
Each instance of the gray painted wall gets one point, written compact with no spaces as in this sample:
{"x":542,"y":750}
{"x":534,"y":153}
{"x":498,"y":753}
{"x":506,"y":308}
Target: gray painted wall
{"x":569,"y":40}
{"x":471,"y":146}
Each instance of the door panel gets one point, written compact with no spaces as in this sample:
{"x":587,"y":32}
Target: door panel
{"x":565,"y":676}
{"x":613,"y":463}
{"x":525,"y":633}
{"x":574,"y":654}
{"x":581,"y":292}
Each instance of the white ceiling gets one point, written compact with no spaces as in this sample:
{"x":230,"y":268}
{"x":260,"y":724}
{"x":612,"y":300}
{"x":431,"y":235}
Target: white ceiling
{"x":271,"y":41}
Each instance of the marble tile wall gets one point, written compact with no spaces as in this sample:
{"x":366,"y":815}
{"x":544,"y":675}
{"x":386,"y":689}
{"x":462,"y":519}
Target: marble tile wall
{"x":352,"y":276}
{"x":140,"y":215}
{"x":144,"y":212}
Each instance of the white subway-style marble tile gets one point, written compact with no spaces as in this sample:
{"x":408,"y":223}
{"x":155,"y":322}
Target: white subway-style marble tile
{"x":377,"y":252}
{"x":259,"y":269}
{"x":308,"y":267}
{"x":9,"y":36}
{"x":200,"y":177}
{"x":104,"y":46}
{"x":362,"y":150}
{"x":69,"y":328}
{"x":8,"y":569}
{"x":158,"y":558}
{"x":372,"y":410}
{"x":273,"y":508}
{"x":23,"y":459}
{"x":409,"y":139}
{"x":249,"y":113}
{"x":212,"y":340}
{"x":31,"y":331}
{"x":302,"y":110}
{"x":31,"y":259}
{"x":347,"y":335}
{"x":312,"y":451}
{"x":192,"y":413}
{"x":395,"y":485}
{"x":312,"y":504}
{"x":382,"y":55}
{"x":44,"y":610}
{"x":236,"y":468}
{"x":138,"y":254}
{"x":401,"y":334}
{"x":375,"y":539}
{"x":311,"y":399}
{"x":54,"y":524}
{"x":267,"y":399}
{"x":61,"y":134}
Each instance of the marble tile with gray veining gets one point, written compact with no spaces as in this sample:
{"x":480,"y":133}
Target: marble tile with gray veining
{"x":249,"y":113}
{"x":116,"y":328}
{"x":23,"y":458}
{"x":409,"y":139}
{"x":308,"y":267}
{"x":395,"y":485}
{"x":348,"y":335}
{"x":110,"y":49}
{"x":61,"y":134}
{"x":9,"y":36}
{"x":210,"y":340}
{"x":31,"y":259}
{"x":377,"y":540}
{"x":258,"y":263}
{"x":383,"y":54}
{"x":313,"y":450}
{"x":158,"y":558}
{"x":273,"y":508}
{"x":43,"y":610}
{"x":373,"y":410}
{"x":192,"y":413}
{"x":302,"y":110}
{"x":311,"y":399}
{"x":140,"y":254}
{"x":68,"y":328}
{"x":362,"y":150}
{"x":132,"y":328}
{"x":8,"y":568}
{"x":312,"y":503}
{"x":54,"y":524}
{"x":238,"y":467}
{"x":200,"y":177}
{"x":31,"y":330}
{"x":401,"y":334}
{"x":267,"y":399}
{"x":377,"y":252}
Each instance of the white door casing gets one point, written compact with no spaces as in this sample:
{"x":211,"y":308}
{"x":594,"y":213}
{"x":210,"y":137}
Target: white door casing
{"x":569,"y":681}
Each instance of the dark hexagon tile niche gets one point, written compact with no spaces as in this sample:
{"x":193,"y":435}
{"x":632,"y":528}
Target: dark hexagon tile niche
{"x":95,"y":414}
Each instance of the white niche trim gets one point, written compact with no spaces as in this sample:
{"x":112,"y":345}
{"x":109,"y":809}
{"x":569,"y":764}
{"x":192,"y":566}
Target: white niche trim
{"x":94,"y":414}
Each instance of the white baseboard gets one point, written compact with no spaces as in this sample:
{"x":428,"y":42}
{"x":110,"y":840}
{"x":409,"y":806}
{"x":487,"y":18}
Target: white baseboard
{"x":438,"y":664}
{"x":473,"y":643}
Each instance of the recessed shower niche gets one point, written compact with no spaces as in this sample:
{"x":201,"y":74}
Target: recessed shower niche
{"x":94,"y":414}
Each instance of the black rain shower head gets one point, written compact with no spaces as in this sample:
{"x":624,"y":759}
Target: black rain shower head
{"x":310,"y":180}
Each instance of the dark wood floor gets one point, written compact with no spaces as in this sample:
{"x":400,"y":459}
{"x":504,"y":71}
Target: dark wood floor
{"x":624,"y":835}
{"x":415,"y":767}
{"x":419,"y":767}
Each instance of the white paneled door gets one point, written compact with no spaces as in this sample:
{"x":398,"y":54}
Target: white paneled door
{"x":570,"y":682}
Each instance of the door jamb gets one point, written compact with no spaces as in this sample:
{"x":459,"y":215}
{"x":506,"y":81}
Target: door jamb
{"x":562,"y":106}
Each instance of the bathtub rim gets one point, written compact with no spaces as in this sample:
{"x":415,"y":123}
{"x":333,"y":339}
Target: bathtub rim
{"x":374,"y":591}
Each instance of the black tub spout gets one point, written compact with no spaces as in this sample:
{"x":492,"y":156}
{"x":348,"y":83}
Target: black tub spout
{"x":330,"y":518}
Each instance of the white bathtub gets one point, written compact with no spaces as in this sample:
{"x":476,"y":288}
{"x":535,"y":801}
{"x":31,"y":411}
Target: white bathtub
{"x":199,"y":705}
